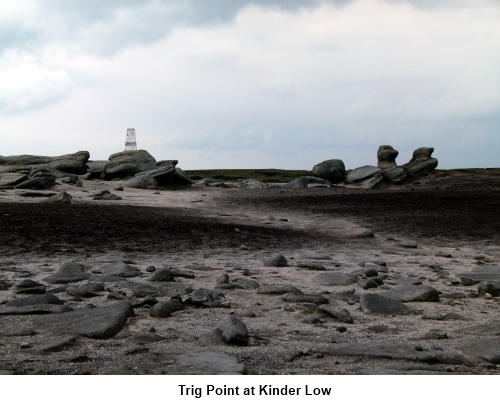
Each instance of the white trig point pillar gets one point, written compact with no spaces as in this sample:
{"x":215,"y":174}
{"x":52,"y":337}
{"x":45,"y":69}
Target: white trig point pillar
{"x":130,"y":142}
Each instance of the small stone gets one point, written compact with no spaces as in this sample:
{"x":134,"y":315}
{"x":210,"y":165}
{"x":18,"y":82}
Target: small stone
{"x":233,"y":331}
{"x":276,"y":261}
{"x":165,"y":309}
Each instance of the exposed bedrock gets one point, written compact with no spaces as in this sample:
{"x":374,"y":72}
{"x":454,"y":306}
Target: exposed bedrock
{"x":74,"y":163}
{"x":421,"y":163}
{"x":332,"y":170}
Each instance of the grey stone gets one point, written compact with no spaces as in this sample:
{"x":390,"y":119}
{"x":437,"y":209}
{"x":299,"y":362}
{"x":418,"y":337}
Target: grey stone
{"x":85,"y":290}
{"x":308,"y":298}
{"x":407,"y":280}
{"x":36,"y":309}
{"x":35,"y":300}
{"x":233,"y":330}
{"x":421,"y":163}
{"x":409,"y":293}
{"x":365,"y":177}
{"x":386,"y":156}
{"x":277,"y":289}
{"x":400,"y":351}
{"x":145,"y":338}
{"x":27,"y":283}
{"x":306,"y":181}
{"x":334,"y":278}
{"x":276,"y":261}
{"x":98,"y":323}
{"x":223,"y":279}
{"x":394,"y":175}
{"x":180,"y":178}
{"x":208,"y":298}
{"x":58,"y":174}
{"x":128,"y":163}
{"x":486,"y":329}
{"x":332,"y":170}
{"x":35,"y":193}
{"x":487,"y":349}
{"x":487,"y":287}
{"x":482,"y":273}
{"x":338,"y":313}
{"x":311,"y":266}
{"x":412,"y":244}
{"x":145,"y":182}
{"x":368,"y":283}
{"x":121,"y":269}
{"x":162,"y":275}
{"x":165,"y":309}
{"x":96,"y":167}
{"x":106,"y":196}
{"x":11,"y":179}
{"x":246,"y":284}
{"x":60,"y":198}
{"x":378,"y":304}
{"x":70,"y":272}
{"x":72,"y":163}
{"x":37,"y":183}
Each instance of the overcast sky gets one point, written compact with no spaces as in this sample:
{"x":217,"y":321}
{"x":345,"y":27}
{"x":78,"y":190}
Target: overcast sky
{"x":252,"y":84}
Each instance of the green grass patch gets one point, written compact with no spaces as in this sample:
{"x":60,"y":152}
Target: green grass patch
{"x":262,"y":175}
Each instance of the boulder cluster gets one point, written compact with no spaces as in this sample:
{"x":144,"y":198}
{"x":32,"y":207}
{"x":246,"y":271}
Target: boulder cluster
{"x":333,"y":171}
{"x":138,"y":169}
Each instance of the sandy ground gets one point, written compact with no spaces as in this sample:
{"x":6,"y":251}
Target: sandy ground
{"x":212,"y":231}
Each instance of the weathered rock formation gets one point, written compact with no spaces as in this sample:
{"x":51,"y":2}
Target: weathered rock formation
{"x":74,"y":163}
{"x":307,"y":181}
{"x":365,"y":177}
{"x":386,"y":156}
{"x":421,"y":163}
{"x":127,"y":163}
{"x":332,"y":170}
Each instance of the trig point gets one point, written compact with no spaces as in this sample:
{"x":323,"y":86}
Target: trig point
{"x":130,"y":142}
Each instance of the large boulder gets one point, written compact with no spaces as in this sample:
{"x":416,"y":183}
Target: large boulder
{"x":181,"y":179}
{"x":144,"y":181}
{"x":163,"y":173}
{"x":386,"y":156}
{"x":41,"y":181}
{"x":11,"y":179}
{"x":332,"y":170}
{"x":96,"y":167}
{"x":421,"y":163}
{"x":50,"y":171}
{"x":365,"y":177}
{"x":73,"y":163}
{"x":127,"y":163}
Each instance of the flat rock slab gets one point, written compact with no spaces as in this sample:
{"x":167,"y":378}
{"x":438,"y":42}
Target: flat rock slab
{"x":68,"y":273}
{"x":97,"y":323}
{"x":339,"y":313}
{"x":378,"y":304}
{"x":401,"y":351}
{"x":485,"y":329}
{"x":35,"y":193}
{"x":246,"y":284}
{"x":142,"y":290}
{"x":311,"y":266}
{"x":409,"y":293}
{"x":121,"y":269}
{"x":178,"y":362}
{"x":483,"y":273}
{"x":36,"y":309}
{"x":35,"y":300}
{"x":277,"y":289}
{"x":335,"y":278}
{"x":307,"y":298}
{"x":487,"y":349}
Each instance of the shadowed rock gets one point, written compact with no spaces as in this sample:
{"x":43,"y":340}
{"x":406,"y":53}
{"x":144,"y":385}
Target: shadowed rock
{"x":421,"y":163}
{"x":127,"y":164}
{"x":332,"y":170}
{"x":233,"y":331}
{"x":334,"y":278}
{"x":378,"y":304}
{"x":409,"y":293}
{"x":73,"y":163}
{"x":68,"y":273}
{"x":365,"y":177}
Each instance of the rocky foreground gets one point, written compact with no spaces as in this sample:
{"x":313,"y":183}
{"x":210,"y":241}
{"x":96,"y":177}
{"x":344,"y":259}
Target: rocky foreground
{"x":401,"y":280}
